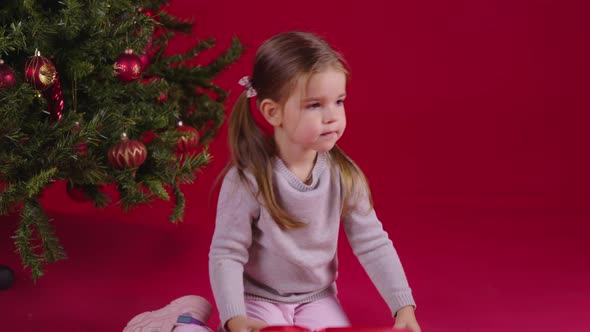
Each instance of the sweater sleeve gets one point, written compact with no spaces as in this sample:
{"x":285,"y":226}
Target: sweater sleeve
{"x":375,"y":251}
{"x":237,"y":208}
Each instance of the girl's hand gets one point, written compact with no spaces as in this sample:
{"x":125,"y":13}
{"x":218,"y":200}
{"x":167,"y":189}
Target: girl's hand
{"x":244,"y":324}
{"x":406,"y":319}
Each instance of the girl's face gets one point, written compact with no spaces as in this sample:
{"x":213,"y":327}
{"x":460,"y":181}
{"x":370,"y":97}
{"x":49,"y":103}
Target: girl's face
{"x":313,"y":116}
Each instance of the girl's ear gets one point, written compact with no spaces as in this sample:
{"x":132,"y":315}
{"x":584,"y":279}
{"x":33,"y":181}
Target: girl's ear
{"x":271,"y":112}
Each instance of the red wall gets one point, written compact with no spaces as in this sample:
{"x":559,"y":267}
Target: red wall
{"x":451,"y":100}
{"x":454,"y":102}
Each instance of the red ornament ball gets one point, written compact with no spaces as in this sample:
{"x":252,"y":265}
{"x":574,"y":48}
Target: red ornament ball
{"x":81,"y":149}
{"x":162,"y":98}
{"x":128,"y":67}
{"x":7,"y":76}
{"x":147,"y":137}
{"x":189,"y":140}
{"x":147,"y":12}
{"x":127,"y":153}
{"x":40,"y":72}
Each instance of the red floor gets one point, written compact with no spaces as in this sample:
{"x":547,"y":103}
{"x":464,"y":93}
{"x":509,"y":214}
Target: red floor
{"x":476,"y":268}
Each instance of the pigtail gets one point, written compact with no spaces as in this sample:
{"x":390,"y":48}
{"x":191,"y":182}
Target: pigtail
{"x":253,"y":151}
{"x":352,"y":179}
{"x":246,"y":140}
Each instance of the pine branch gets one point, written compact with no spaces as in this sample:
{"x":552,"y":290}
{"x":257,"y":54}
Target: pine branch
{"x":190,"y":164}
{"x":130,"y":190}
{"x":8,"y":198}
{"x":72,"y":18}
{"x":228,"y":57}
{"x":37,"y":183}
{"x":34,"y":227}
{"x":183,"y":26}
{"x":23,"y":239}
{"x":157,"y":189}
{"x":99,"y":199}
{"x":201,"y":46}
{"x":52,"y":250}
{"x":12,"y":40}
{"x":179,"y":204}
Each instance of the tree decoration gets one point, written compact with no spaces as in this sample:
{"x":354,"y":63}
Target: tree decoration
{"x":128,"y":66}
{"x":55,"y":99}
{"x":40,"y":72}
{"x":7,"y":76}
{"x":127,"y":153}
{"x":189,"y":141}
{"x":162,"y":97}
{"x":6,"y":277}
{"x":147,"y":137}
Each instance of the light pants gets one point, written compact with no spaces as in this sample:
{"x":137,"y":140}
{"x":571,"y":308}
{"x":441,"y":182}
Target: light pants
{"x":319,"y":314}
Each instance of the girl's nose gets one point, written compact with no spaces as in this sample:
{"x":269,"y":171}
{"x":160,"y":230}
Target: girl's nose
{"x":331,"y":115}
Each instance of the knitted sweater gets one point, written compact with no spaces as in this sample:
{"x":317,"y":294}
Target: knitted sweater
{"x":252,"y":257}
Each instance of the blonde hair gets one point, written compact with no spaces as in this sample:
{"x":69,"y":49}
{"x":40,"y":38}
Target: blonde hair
{"x":278,"y":63}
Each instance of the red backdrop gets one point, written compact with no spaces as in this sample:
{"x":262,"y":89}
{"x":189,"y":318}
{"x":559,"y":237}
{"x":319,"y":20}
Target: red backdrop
{"x":469,"y":119}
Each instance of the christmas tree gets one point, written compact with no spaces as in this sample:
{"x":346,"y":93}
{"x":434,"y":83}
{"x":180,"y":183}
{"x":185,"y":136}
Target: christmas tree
{"x":89,"y":96}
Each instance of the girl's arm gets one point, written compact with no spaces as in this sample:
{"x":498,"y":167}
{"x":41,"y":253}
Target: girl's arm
{"x":236,"y":209}
{"x":375,"y":251}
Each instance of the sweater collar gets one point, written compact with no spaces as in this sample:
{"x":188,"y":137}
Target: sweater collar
{"x":294,"y":181}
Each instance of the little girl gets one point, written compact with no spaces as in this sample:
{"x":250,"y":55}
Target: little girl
{"x":273,"y":257}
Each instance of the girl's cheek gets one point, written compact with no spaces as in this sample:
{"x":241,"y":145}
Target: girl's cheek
{"x":309,"y":135}
{"x":317,"y":131}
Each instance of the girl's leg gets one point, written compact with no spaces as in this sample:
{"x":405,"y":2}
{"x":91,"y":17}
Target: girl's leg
{"x":323,"y":313}
{"x":273,"y":314}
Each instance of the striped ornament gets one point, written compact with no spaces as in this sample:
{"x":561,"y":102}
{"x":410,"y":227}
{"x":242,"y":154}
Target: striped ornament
{"x":127,"y":153}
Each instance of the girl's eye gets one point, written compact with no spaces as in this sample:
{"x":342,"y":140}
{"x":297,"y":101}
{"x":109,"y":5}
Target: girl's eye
{"x":313,"y":106}
{"x":340,"y":102}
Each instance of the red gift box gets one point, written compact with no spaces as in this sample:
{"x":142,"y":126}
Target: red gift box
{"x":295,"y":328}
